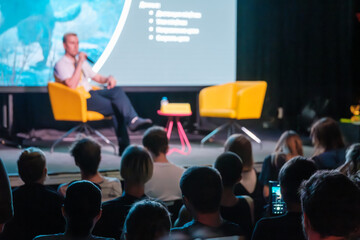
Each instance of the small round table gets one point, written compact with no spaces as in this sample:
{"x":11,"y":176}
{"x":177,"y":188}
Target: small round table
{"x":185,"y":144}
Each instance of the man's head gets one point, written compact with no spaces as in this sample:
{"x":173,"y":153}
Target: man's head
{"x":71,"y":44}
{"x":156,"y":141}
{"x":87,"y":155}
{"x":147,"y":220}
{"x":331,"y":205}
{"x":292,"y":174}
{"x":201,"y":188}
{"x":82,"y":206}
{"x":136,"y":166}
{"x":230,"y":167}
{"x":32,"y":165}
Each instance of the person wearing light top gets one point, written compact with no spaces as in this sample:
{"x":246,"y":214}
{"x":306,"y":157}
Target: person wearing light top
{"x":164,"y":184}
{"x":73,"y":71}
{"x":87,"y":154}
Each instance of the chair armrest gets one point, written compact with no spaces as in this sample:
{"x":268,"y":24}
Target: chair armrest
{"x":250,"y":100}
{"x":67,"y":104}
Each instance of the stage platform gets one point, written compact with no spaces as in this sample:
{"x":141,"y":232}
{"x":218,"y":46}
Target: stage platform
{"x":61,"y":167}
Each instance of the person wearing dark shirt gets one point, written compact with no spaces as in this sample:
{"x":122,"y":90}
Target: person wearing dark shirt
{"x":82,"y":209}
{"x":289,"y":225}
{"x":136,"y":168}
{"x":330,"y":205}
{"x":288,"y":146}
{"x":6,"y":207}
{"x":249,"y":184}
{"x":328,"y":143}
{"x":37,"y":209}
{"x":237,"y":209}
{"x":202,"y":188}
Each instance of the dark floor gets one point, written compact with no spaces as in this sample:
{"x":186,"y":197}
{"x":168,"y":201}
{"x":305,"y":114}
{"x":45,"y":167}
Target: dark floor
{"x":61,"y":166}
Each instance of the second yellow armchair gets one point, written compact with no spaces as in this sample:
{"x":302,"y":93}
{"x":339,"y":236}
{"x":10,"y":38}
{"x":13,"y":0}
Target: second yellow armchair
{"x":236,"y":100}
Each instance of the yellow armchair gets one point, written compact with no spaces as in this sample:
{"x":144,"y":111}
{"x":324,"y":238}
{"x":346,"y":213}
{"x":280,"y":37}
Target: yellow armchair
{"x":70,"y":105}
{"x":236,"y":100}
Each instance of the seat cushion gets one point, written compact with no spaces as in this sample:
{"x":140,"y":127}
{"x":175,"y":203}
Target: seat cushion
{"x":94,"y":116}
{"x":220,"y":113}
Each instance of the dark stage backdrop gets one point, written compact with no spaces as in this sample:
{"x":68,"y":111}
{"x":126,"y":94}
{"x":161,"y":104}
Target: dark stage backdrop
{"x":307,"y":51}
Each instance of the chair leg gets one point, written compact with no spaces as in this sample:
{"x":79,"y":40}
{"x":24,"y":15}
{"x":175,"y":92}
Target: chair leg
{"x":250,"y":134}
{"x":218,"y":129}
{"x":83,"y":128}
{"x":106,"y":140}
{"x":64,"y":136}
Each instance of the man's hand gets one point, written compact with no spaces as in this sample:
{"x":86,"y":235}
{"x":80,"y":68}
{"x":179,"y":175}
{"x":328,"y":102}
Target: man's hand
{"x":111,"y":82}
{"x":82,"y":57}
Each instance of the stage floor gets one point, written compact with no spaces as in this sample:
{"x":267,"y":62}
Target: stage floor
{"x":61,"y":167}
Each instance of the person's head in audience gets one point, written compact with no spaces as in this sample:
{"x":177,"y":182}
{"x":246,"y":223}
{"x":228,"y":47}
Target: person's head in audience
{"x":82,"y":208}
{"x":291,"y":175}
{"x":230,"y":167}
{"x":352,"y":165}
{"x":136,"y":167}
{"x":331,"y":206}
{"x":202,"y":189}
{"x":241,"y":145}
{"x":147,"y":220}
{"x":326,"y":135}
{"x":290,"y":144}
{"x":32,"y":166}
{"x":87,"y":155}
{"x":156,"y":141}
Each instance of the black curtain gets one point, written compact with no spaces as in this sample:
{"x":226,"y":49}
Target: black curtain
{"x":304,"y":49}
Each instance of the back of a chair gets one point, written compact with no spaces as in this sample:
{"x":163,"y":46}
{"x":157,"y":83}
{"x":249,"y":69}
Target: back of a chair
{"x":67,"y":104}
{"x":218,"y":96}
{"x":249,"y":99}
{"x":236,"y":100}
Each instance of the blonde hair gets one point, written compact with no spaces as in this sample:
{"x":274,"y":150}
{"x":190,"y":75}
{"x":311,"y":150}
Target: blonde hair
{"x":68,"y":34}
{"x":136,"y":165}
{"x":289,"y":143}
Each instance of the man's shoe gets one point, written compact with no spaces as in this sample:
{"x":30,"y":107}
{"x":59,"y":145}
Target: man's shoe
{"x":139,"y":123}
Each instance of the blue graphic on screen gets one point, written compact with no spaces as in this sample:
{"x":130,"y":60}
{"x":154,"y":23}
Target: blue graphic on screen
{"x":31,"y":35}
{"x":139,"y":42}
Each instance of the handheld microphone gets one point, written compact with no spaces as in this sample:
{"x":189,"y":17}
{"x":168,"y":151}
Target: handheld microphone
{"x":90,"y":60}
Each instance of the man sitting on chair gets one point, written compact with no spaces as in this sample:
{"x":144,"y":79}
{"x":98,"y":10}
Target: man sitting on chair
{"x":73,"y":71}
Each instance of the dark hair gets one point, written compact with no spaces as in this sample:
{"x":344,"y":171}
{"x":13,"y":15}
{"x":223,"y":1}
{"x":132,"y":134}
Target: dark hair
{"x":230,"y":167}
{"x":240,"y":145}
{"x":155,"y":140}
{"x":82,"y":203}
{"x":68,"y":34}
{"x":353,"y":156}
{"x":292,"y":174}
{"x":31,"y":165}
{"x":330,"y":201}
{"x":147,"y":220}
{"x":326,"y":135}
{"x":202,"y":186}
{"x":136,"y":165}
{"x":87,"y":155}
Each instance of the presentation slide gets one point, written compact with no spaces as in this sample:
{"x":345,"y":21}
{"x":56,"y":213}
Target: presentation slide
{"x":140,"y":43}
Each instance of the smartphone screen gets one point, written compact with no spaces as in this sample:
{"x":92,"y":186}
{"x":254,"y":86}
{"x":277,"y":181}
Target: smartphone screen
{"x":277,"y":204}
